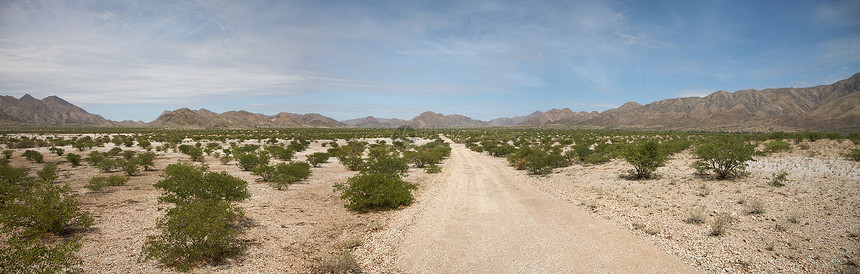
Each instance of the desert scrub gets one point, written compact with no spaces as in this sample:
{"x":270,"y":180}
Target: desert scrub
{"x":342,"y":262}
{"x":202,"y":227}
{"x":853,"y":155}
{"x":754,"y":206}
{"x":696,"y":214}
{"x":8,"y":153}
{"x":645,"y":156}
{"x":433,"y":169}
{"x":200,"y":232}
{"x":283,"y":175}
{"x":74,"y":159}
{"x":376,"y":192}
{"x":99,"y":182}
{"x":721,"y":224}
{"x":317,"y":158}
{"x":726,"y":157}
{"x":779,"y":179}
{"x":43,"y":207}
{"x":776,"y":146}
{"x":22,"y":254}
{"x":34,"y":156}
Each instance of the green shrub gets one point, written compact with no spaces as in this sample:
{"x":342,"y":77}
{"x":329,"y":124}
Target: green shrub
{"x":128,"y":154}
{"x":779,"y":179}
{"x":130,"y":167}
{"x":34,"y":156}
{"x":388,"y":165}
{"x":433,"y":169}
{"x":726,"y":157}
{"x":250,"y":161}
{"x":94,"y":158}
{"x":184,"y":182}
{"x":107,"y":165}
{"x":99,"y":182}
{"x":19,"y":254}
{"x":376,"y":191}
{"x":45,"y":207}
{"x":776,"y":146}
{"x":281,"y":152}
{"x":200,"y":232}
{"x":853,"y":155}
{"x":645,"y":156}
{"x":147,"y":160}
{"x":56,"y":150}
{"x":226,"y":160}
{"x":8,"y":153}
{"x":113,"y":152}
{"x":74,"y":159}
{"x":202,"y":227}
{"x":317,"y":158}
{"x":48,"y":173}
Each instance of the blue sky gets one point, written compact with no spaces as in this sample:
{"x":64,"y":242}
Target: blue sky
{"x":349,"y":59}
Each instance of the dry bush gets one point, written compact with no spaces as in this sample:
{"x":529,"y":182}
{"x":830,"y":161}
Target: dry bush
{"x":696,"y":214}
{"x":754,"y":206}
{"x":342,"y":262}
{"x":722,"y":224}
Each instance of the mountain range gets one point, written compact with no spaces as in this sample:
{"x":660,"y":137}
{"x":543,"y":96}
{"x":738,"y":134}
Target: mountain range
{"x":820,"y":107}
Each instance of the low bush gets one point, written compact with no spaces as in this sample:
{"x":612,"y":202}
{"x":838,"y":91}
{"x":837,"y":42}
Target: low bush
{"x":250,"y":161}
{"x":338,"y":263}
{"x":726,"y":157}
{"x":20,"y":254}
{"x":779,"y":179}
{"x":99,"y":182}
{"x":776,"y":146}
{"x":645,"y":156}
{"x":376,"y":191}
{"x":73,"y":159}
{"x":696,"y":214}
{"x":34,"y":156}
{"x":185,"y":182}
{"x":94,"y":158}
{"x":721,"y":224}
{"x":146,"y":160}
{"x":433,"y":169}
{"x":317,"y":158}
{"x":56,"y":150}
{"x":853,"y":155}
{"x":200,"y":232}
{"x":8,"y":153}
{"x":45,"y":207}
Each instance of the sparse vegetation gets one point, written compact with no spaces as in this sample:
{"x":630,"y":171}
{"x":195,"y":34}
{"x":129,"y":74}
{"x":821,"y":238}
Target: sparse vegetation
{"x":853,"y":155}
{"x":645,"y":156}
{"x":99,"y":182}
{"x":726,"y":157}
{"x":342,"y":262}
{"x":721,"y":224}
{"x":779,"y":179}
{"x":696,"y":214}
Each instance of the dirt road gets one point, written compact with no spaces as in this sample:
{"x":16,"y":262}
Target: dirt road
{"x":483,"y":217}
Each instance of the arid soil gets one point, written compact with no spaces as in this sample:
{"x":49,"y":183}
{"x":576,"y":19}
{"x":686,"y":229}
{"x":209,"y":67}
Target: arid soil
{"x":810,"y":225}
{"x":482,"y":217}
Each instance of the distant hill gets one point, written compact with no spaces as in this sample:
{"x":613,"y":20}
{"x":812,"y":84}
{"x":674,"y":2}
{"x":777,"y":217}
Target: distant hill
{"x":373,"y":122}
{"x":431,"y":119}
{"x":51,"y":110}
{"x":821,"y":107}
{"x":203,"y":118}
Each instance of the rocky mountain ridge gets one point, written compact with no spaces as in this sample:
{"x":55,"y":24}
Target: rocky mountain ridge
{"x":819,"y":107}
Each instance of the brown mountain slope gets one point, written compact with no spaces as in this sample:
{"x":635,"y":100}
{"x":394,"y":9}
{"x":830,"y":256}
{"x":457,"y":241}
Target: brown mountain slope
{"x":431,"y":119}
{"x":373,"y":122}
{"x":49,"y":111}
{"x":819,"y":107}
{"x":186,"y":118}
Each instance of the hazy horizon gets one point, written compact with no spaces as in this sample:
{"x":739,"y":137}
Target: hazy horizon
{"x":132,"y":60}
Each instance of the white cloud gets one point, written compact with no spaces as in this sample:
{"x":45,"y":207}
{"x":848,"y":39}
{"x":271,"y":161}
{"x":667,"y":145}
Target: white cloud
{"x":693,"y":93}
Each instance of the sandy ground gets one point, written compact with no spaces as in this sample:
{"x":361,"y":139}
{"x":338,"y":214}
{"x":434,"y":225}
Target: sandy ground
{"x":286,"y":230}
{"x":482,"y":217}
{"x":479,"y":211}
{"x":811,"y":225}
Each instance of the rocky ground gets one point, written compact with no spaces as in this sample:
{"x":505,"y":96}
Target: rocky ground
{"x":810,"y":225}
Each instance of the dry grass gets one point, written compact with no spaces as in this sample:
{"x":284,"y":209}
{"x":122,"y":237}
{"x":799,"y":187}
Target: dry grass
{"x":722,"y":224}
{"x":342,"y":262}
{"x":696,"y":214}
